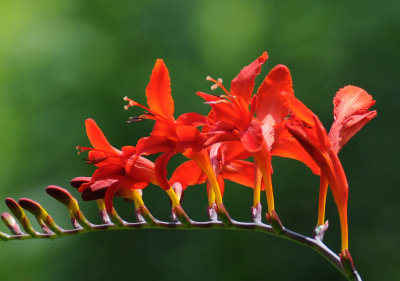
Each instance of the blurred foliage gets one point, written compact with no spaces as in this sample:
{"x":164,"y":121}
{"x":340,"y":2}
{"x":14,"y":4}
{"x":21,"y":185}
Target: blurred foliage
{"x":67,"y":60}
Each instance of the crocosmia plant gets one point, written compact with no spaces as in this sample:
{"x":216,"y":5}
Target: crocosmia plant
{"x":245,"y":127}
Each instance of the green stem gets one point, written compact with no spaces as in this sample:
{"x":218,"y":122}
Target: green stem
{"x":315,"y":244}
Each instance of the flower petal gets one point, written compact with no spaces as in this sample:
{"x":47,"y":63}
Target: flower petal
{"x":233,"y":150}
{"x":158,"y":91}
{"x":192,"y":119}
{"x":351,"y":113}
{"x":109,"y":196}
{"x":297,"y":107}
{"x":155,"y":144}
{"x":97,"y":190}
{"x":271,"y":107}
{"x":223,"y":110}
{"x":188,"y":173}
{"x":252,"y":137}
{"x":190,"y":137}
{"x":241,"y":172}
{"x":161,"y":169}
{"x":285,"y":145}
{"x":97,"y":138}
{"x":242,"y":85}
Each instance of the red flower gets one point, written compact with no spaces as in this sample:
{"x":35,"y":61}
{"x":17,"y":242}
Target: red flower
{"x":170,"y":136}
{"x":233,"y":116}
{"x":116,"y":173}
{"x":351,"y":113}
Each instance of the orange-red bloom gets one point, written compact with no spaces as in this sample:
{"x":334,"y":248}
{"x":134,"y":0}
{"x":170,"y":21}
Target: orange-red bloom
{"x":351,"y":114}
{"x":116,"y":173}
{"x":233,"y":116}
{"x":170,"y":136}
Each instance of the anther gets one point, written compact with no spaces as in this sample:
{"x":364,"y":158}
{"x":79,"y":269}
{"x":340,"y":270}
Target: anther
{"x":135,"y":119}
{"x":214,"y":87}
{"x":216,"y":102}
{"x":148,"y":113}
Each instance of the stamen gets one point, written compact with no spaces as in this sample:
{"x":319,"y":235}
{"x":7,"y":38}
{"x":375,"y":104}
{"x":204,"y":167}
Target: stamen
{"x":82,"y":149}
{"x":133,"y":103}
{"x":95,"y":161}
{"x":135,"y":119}
{"x":218,"y":83}
{"x":216,"y":102}
{"x":148,"y":113}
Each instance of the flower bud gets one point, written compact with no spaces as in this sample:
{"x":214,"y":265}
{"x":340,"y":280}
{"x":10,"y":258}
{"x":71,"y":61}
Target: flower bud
{"x":11,"y":223}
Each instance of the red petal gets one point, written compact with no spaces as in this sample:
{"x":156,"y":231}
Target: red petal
{"x":187,"y":174}
{"x":163,"y":128}
{"x":308,"y":139}
{"x":107,"y":172}
{"x":190,"y":137}
{"x":223,"y":110}
{"x":301,"y":111}
{"x":233,"y":150}
{"x":241,"y":172}
{"x":221,"y":184}
{"x":351,"y":113}
{"x":158,"y":91}
{"x":161,"y":169}
{"x":242,"y":85}
{"x":141,"y":170}
{"x":109,"y":196}
{"x":285,"y":145}
{"x":271,"y":107}
{"x":155,"y":144}
{"x":97,"y":138}
{"x":252,"y":137}
{"x":192,"y":119}
{"x":97,"y":190}
{"x":78,"y":181}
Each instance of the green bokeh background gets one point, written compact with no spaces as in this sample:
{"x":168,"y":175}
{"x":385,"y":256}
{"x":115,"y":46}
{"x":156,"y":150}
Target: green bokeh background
{"x":64,"y":61}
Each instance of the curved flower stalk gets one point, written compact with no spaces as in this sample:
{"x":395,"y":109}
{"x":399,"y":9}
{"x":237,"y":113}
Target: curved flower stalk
{"x":240,"y":124}
{"x":80,"y":224}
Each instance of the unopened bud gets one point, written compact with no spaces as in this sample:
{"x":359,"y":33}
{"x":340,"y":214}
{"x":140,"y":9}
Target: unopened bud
{"x":64,"y":197}
{"x":43,"y":218}
{"x":11,"y":223}
{"x":20,"y":215}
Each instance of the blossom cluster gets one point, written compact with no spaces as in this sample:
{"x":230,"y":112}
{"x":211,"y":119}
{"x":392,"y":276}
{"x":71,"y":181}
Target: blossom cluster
{"x":235,"y":142}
